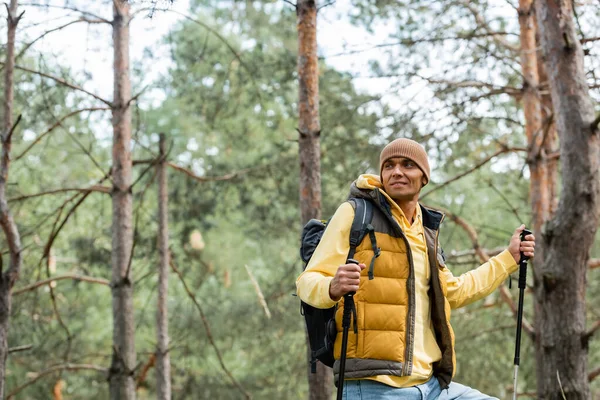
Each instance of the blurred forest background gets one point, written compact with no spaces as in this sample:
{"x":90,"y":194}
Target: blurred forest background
{"x":448,"y":74}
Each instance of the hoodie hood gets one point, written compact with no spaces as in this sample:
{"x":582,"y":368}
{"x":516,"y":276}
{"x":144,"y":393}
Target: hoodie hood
{"x":369,"y":181}
{"x":370,"y":186}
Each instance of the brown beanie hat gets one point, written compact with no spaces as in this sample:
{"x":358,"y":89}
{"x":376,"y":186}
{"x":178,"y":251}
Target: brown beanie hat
{"x":406,"y":148}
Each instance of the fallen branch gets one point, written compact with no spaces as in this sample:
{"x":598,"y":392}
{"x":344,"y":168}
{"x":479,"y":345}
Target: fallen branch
{"x":74,"y":277}
{"x":56,"y":368}
{"x":259,"y":293}
{"x":207,"y":328}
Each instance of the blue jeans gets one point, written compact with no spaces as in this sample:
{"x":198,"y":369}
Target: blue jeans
{"x":370,"y":390}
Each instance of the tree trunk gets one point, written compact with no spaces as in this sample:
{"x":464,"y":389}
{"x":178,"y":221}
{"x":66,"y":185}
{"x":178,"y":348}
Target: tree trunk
{"x":9,"y":227}
{"x":121,"y":379}
{"x":163,"y":362}
{"x":321,"y":383}
{"x":538,"y":186}
{"x":560,"y":281}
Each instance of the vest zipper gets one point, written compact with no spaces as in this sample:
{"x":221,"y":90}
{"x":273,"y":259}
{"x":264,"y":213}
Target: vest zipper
{"x":410,"y":288}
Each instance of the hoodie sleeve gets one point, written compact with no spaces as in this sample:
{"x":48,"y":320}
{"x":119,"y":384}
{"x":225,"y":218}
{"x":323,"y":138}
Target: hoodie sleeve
{"x":480,"y":282}
{"x":312,"y":286}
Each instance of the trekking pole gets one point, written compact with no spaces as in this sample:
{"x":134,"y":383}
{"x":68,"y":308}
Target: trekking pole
{"x":522,"y":285}
{"x":346,"y":317}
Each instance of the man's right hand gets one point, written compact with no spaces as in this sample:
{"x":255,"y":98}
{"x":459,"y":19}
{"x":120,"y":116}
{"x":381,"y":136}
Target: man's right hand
{"x":346,"y":280}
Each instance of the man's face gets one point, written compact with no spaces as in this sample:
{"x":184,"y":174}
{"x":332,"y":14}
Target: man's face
{"x":402,"y":179}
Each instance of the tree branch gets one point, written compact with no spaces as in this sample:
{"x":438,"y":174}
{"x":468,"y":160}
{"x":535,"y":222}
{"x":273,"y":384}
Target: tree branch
{"x":504,"y":149}
{"x":207,"y":328}
{"x":20,"y":348}
{"x":28,"y":45}
{"x":588,"y":335}
{"x":596,"y":123}
{"x":481,"y":22}
{"x":62,"y":82}
{"x":94,"y":188}
{"x":57,"y":124}
{"x":412,"y":42}
{"x":209,"y":178}
{"x":66,"y":7}
{"x":593,"y":374}
{"x":56,"y":368}
{"x":75,"y":277}
{"x":12,"y":130}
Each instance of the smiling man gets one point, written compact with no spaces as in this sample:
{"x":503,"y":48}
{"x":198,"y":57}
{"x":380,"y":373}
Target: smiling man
{"x":402,"y":344}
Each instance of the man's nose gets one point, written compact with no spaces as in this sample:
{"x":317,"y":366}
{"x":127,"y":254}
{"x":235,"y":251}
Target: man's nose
{"x":397,"y":170}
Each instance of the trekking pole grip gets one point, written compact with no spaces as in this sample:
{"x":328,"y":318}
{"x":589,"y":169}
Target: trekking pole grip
{"x":348,"y":301}
{"x":523,"y":262}
{"x":350,"y":261}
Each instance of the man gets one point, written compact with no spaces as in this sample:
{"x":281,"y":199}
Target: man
{"x":402,"y":344}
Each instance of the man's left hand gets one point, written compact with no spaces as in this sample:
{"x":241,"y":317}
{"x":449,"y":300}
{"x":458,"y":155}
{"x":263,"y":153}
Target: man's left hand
{"x":516,"y":247}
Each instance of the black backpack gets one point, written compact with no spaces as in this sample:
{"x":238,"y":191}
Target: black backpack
{"x":320,"y":323}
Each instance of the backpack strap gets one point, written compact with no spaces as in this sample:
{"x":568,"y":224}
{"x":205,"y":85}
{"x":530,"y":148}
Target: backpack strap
{"x":361,"y":226}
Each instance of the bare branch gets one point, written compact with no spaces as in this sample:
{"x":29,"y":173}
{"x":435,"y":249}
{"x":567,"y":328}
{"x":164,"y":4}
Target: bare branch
{"x":93,"y":188}
{"x":506,"y":200}
{"x":20,"y":348}
{"x":63,"y":82}
{"x":67,"y":7}
{"x":412,"y":42}
{"x":594,"y":374}
{"x":504,"y":149}
{"x":12,"y":130}
{"x":75,"y":277}
{"x":594,"y":263}
{"x":292,"y":4}
{"x":28,"y":45}
{"x":57,"y":124}
{"x":471,"y":253}
{"x":207,"y":328}
{"x":325,"y":5}
{"x":494,"y":89}
{"x":596,"y":123}
{"x":56,"y":368}
{"x":209,"y":178}
{"x":588,"y":335}
{"x":481,"y":22}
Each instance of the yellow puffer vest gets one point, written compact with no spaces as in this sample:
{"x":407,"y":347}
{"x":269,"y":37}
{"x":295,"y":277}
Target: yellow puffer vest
{"x":381,"y":340}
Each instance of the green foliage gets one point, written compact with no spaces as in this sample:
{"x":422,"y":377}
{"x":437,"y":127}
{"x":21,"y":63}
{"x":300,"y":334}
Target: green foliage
{"x":229,"y":111}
